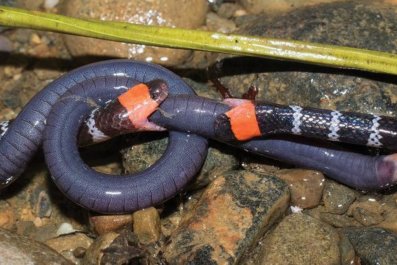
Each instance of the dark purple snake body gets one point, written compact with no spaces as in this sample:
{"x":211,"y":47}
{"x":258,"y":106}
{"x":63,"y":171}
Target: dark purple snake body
{"x":60,"y":108}
{"x":71,"y":99}
{"x":198,"y":115}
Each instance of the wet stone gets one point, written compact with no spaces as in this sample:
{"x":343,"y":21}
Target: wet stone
{"x":147,"y":225}
{"x":16,"y":249}
{"x":337,"y":220}
{"x":233,"y":212}
{"x":180,"y":14}
{"x":5,"y":44}
{"x":39,"y":208}
{"x":42,"y":208}
{"x":126,"y":249}
{"x":103,"y":224}
{"x":390,"y":213}
{"x":277,"y":6}
{"x":7,"y":216}
{"x":367,"y":210}
{"x":373,"y":245}
{"x":67,"y":244}
{"x":144,"y":152}
{"x":348,"y":254}
{"x":306,"y":186}
{"x":337,"y":198}
{"x":95,"y":252}
{"x":301,"y":239}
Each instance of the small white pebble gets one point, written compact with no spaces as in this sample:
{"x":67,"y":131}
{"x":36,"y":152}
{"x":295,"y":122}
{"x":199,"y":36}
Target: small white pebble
{"x":296,"y":209}
{"x":65,"y":229}
{"x":48,"y":4}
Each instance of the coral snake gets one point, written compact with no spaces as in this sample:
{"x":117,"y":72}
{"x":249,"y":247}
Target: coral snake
{"x":95,"y":102}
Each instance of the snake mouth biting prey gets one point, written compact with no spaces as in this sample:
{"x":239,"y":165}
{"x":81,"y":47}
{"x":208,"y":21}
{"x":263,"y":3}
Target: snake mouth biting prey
{"x":98,"y":98}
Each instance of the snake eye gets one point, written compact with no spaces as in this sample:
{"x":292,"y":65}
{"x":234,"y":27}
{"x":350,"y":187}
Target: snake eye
{"x":158,"y":90}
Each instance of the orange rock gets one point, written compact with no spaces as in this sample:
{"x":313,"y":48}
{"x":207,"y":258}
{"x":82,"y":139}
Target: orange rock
{"x":103,"y":224}
{"x":306,"y":186}
{"x":233,"y":211}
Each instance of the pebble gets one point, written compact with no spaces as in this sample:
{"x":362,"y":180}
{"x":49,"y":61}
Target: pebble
{"x":5,"y":44}
{"x":103,"y":224}
{"x":174,"y":13}
{"x":95,"y":252}
{"x":35,"y":215}
{"x":337,"y":198}
{"x":147,"y":226}
{"x":219,"y":24}
{"x":228,"y":10}
{"x":306,"y":186}
{"x":301,"y":239}
{"x":42,"y":207}
{"x":65,"y":229}
{"x":145,"y":150}
{"x":367,"y":210}
{"x":337,"y":220}
{"x":67,"y":244}
{"x":348,"y":254}
{"x":48,"y":4}
{"x":277,"y":6}
{"x":373,"y":245}
{"x":7,"y":216}
{"x":17,"y":250}
{"x":233,"y":210}
{"x":390,"y":213}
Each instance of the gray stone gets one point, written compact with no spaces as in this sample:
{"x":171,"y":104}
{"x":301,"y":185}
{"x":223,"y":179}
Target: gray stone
{"x":373,"y":245}
{"x":16,"y":249}
{"x":337,"y":198}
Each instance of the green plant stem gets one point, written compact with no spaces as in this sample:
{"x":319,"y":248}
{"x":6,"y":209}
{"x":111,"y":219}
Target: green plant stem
{"x":329,"y":55}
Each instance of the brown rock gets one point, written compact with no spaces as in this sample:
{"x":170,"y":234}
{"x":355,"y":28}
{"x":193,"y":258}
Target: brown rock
{"x":337,"y":198}
{"x":277,"y":6}
{"x":103,"y":224}
{"x":233,"y":212}
{"x":147,"y":225}
{"x":95,"y":253}
{"x":337,"y":220}
{"x":347,"y":251}
{"x":306,"y":186}
{"x":301,"y":239}
{"x":368,"y":211}
{"x":7,"y":216}
{"x":390,"y":213}
{"x":16,"y":249}
{"x":66,"y":245}
{"x":181,"y":14}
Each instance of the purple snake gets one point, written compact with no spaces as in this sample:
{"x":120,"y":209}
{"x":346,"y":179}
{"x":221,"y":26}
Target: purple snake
{"x":53,"y":118}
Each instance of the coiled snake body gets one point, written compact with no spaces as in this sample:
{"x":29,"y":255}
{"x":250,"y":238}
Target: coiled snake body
{"x":53,"y":117}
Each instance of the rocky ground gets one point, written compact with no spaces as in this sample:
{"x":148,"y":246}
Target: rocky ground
{"x":240,"y":209}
